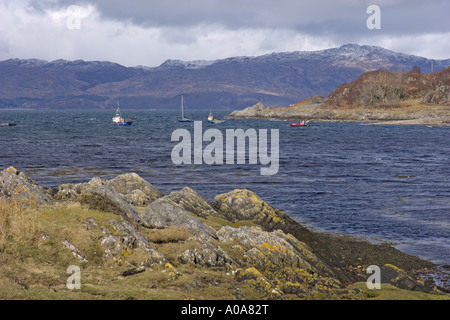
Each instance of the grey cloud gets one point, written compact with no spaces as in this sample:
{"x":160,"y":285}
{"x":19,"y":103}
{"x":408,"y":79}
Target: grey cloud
{"x":317,"y":17}
{"x":206,"y":28}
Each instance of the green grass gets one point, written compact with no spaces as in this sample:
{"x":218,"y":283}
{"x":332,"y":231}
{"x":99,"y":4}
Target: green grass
{"x":33,"y":260}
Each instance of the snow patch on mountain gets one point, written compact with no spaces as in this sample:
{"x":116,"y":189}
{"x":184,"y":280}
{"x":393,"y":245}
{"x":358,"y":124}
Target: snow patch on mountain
{"x":194,"y":64}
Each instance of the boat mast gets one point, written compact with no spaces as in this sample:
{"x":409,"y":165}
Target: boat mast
{"x":182,"y":112}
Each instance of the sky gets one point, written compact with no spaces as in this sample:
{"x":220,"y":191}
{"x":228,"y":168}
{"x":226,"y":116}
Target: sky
{"x":136,"y":32}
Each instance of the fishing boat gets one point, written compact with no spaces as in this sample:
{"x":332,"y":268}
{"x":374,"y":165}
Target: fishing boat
{"x":301,"y":124}
{"x":183,"y":119}
{"x":210,"y":117}
{"x":118,"y":120}
{"x":212,"y":120}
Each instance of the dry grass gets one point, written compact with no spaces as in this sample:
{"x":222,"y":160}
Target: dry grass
{"x":16,"y":229}
{"x":33,"y":260}
{"x":172,"y":234}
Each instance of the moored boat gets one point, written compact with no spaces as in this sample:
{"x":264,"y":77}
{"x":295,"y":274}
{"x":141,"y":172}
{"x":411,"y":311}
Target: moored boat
{"x":212,"y":120}
{"x":118,"y":120}
{"x":210,"y":117}
{"x":301,"y":124}
{"x":183,"y":119}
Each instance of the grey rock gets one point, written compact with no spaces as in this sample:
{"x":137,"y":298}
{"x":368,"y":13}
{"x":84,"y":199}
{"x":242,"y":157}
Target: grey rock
{"x":272,"y":250}
{"x":131,"y":186}
{"x":163,"y":213}
{"x":16,"y":185}
{"x":104,"y":198}
{"x":400,"y":279}
{"x":75,"y":251}
{"x":208,"y":255}
{"x":89,"y":223}
{"x":131,"y":232}
{"x":256,"y":110}
{"x":136,"y":190}
{"x":243,"y":204}
{"x":99,"y":195}
{"x":192,"y":202}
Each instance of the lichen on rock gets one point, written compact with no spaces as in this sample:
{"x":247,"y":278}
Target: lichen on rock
{"x":17,"y":185}
{"x":252,"y":243}
{"x":192,"y":202}
{"x":243,"y":204}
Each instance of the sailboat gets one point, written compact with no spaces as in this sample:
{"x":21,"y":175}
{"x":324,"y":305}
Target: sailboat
{"x":183,"y":119}
{"x":118,"y":120}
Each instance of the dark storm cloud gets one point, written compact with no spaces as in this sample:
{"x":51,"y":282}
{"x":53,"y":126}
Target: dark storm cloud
{"x":313,"y":17}
{"x":136,"y":32}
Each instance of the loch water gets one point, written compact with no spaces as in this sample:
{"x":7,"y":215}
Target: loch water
{"x":380,"y":182}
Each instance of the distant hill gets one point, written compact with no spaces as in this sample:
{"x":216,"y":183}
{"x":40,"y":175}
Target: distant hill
{"x":384,"y":88}
{"x":382,"y":96}
{"x":276,"y":79}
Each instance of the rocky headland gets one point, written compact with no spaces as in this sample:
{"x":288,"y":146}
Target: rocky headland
{"x":132,"y":241}
{"x":377,"y":97}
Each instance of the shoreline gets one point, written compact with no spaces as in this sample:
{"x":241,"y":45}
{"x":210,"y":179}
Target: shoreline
{"x":413,"y":113}
{"x":237,"y":238}
{"x":424,"y":122}
{"x":438,"y":121}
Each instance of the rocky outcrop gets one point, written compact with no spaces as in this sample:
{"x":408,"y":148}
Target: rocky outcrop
{"x":208,"y":255}
{"x":340,"y":254}
{"x":163,"y":213}
{"x":256,"y":110}
{"x":121,"y":195}
{"x":192,"y":202}
{"x":137,"y":191}
{"x":130,"y":237}
{"x":105,"y":199}
{"x":259,"y":111}
{"x":270,"y":251}
{"x":277,"y":263}
{"x":242,"y":204}
{"x":132,"y":187}
{"x":272,"y":254}
{"x":15,"y":184}
{"x":399,"y":278}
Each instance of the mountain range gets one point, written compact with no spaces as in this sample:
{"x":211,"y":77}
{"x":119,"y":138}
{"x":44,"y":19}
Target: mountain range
{"x":277,"y":79}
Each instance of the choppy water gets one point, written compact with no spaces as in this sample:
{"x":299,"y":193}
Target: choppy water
{"x":382,"y":182}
